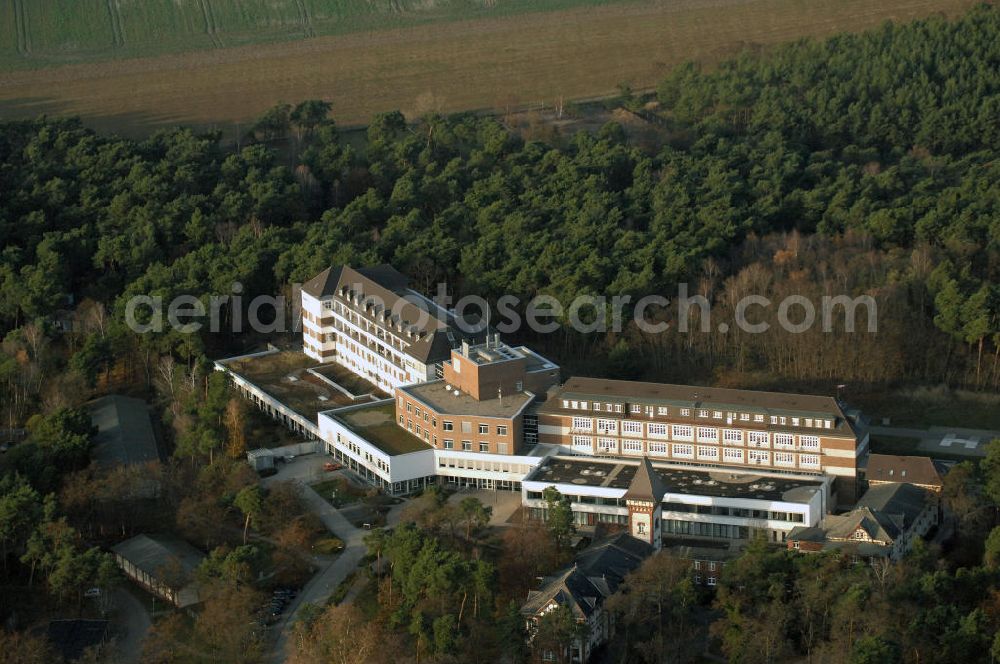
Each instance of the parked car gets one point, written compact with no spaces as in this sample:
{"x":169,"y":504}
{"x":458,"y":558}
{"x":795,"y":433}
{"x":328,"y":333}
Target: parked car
{"x":331,"y":466}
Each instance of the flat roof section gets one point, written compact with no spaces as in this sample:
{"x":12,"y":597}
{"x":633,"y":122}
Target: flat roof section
{"x":348,"y":380}
{"x":445,"y":401}
{"x":719,"y":484}
{"x":377,"y":425}
{"x":283,"y":376}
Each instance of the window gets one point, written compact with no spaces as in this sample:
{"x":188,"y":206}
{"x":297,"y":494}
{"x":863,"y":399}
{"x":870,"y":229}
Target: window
{"x":502,"y":449}
{"x":447,"y":426}
{"x":774,"y":419}
{"x":584,"y":405}
{"x":466,"y":427}
{"x":703,"y":413}
{"x":758,"y":439}
{"x":565,"y":403}
{"x":417,"y":412}
{"x":607,"y":426}
{"x":795,"y":421}
{"x":685,"y":412}
{"x":635,"y":408}
{"x":711,"y":567}
{"x":597,"y":406}
{"x":708,"y":433}
{"x":449,"y":444}
{"x":518,"y":386}
{"x":682,"y":432}
{"x":632,"y":447}
{"x":484,"y":446}
{"x":607,"y":444}
{"x":784,"y":440}
{"x":717,"y":414}
{"x":731,"y":436}
{"x":758,"y":457}
{"x":409,"y":407}
{"x":697,"y":564}
{"x":631,"y":428}
{"x":575,"y":405}
{"x":657,"y":429}
{"x":784,"y":459}
{"x":484,"y":428}
{"x":467,"y":445}
{"x":711,"y":581}
{"x":732,"y":455}
{"x":584,"y":442}
{"x":501,"y":429}
{"x":661,"y":410}
{"x":619,"y":407}
{"x":657,"y":448}
{"x":809,"y":461}
{"x":758,"y":418}
{"x":708,"y":452}
{"x":683,"y":451}
{"x":809,"y":442}
{"x":744,"y":417}
{"x":583,"y":423}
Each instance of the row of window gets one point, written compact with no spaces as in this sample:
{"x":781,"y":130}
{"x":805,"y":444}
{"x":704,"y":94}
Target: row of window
{"x":585,"y":444}
{"x":742,"y":512}
{"x":477,"y":464}
{"x":729,"y":416}
{"x":449,"y":425}
{"x":359,"y":453}
{"x":632,"y":428}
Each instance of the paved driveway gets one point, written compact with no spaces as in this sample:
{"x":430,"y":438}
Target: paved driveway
{"x":131,"y":619}
{"x":326,"y":581}
{"x":304,"y":470}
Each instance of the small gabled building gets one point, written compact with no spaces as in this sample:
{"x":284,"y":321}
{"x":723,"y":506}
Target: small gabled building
{"x":163,"y":565}
{"x":884,"y":524}
{"x":920,"y":471}
{"x":596,"y":574}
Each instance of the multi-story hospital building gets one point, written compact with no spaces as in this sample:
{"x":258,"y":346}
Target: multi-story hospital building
{"x":470,"y":410}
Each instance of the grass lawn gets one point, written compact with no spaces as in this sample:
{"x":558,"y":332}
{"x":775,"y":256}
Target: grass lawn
{"x":432,"y":56}
{"x":346,"y":493}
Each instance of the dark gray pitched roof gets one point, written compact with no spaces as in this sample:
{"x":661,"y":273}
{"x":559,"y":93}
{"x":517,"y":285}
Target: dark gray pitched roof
{"x":386,"y":300}
{"x":647,"y":484}
{"x":696,"y":397}
{"x":124,"y":431}
{"x":879,"y":526}
{"x":903,"y":502}
{"x":595,"y":575}
{"x":154,"y":554}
